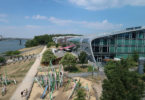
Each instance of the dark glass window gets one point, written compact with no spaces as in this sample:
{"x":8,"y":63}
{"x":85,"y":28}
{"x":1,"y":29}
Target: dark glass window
{"x":96,"y":48}
{"x":97,"y":41}
{"x":126,"y":35}
{"x":104,"y":41}
{"x":104,"y":49}
{"x":134,"y":35}
{"x":120,"y":35}
{"x":112,"y":42}
{"x":140,"y":36}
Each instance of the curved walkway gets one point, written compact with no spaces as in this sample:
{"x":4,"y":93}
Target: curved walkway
{"x":28,"y":80}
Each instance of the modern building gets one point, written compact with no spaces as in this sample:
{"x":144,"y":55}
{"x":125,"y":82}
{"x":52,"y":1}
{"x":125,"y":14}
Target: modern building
{"x":118,"y":44}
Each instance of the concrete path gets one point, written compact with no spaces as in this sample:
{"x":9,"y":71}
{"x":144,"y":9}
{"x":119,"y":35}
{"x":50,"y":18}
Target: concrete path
{"x":28,"y":80}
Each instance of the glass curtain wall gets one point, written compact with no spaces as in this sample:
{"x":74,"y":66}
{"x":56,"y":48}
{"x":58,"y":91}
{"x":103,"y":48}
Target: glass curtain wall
{"x":119,"y":46}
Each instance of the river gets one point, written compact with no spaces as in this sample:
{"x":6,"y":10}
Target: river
{"x":10,"y":45}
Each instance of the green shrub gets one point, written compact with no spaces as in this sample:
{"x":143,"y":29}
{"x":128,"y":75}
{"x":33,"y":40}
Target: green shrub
{"x":83,"y":57}
{"x":47,"y":57}
{"x":57,"y":45}
{"x":49,"y":44}
{"x":71,"y":69}
{"x":81,"y":94}
{"x":69,"y":61}
{"x":90,"y":68}
{"x":135,"y":56}
{"x":2,"y":60}
{"x":12,"y":53}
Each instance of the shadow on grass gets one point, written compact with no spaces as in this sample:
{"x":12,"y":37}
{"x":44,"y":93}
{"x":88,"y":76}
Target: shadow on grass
{"x":83,"y":66}
{"x":71,"y":69}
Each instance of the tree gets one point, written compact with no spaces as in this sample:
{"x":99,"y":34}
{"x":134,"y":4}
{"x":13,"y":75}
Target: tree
{"x":135,"y":56}
{"x":47,"y":57}
{"x":50,"y":44}
{"x":83,"y":57}
{"x":81,"y":94}
{"x":39,"y":40}
{"x":2,"y":60}
{"x":122,"y":84}
{"x":69,"y":61}
{"x":31,"y":43}
{"x":56,"y":45}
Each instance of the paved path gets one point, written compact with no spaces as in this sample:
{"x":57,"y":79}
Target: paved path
{"x":28,"y":80}
{"x":80,"y":74}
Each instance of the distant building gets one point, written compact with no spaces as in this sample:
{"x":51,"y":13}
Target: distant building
{"x":1,"y":37}
{"x":118,"y":44}
{"x":62,"y":39}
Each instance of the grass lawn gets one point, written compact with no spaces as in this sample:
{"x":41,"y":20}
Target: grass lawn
{"x":79,"y":68}
{"x":15,"y":71}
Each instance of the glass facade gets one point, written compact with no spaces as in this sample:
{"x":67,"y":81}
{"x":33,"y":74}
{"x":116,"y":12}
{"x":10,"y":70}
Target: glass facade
{"x":115,"y":45}
{"x":119,"y":45}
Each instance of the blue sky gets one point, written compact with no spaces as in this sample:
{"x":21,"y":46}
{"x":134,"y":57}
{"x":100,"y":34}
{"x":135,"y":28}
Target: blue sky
{"x":27,"y":18}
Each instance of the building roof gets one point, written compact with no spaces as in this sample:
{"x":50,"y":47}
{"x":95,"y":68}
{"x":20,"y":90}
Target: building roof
{"x":115,"y":33}
{"x":91,"y":37}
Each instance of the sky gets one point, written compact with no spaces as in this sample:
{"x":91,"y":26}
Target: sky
{"x":27,"y":18}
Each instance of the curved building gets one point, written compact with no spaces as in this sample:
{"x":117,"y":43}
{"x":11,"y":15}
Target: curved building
{"x":118,"y":44}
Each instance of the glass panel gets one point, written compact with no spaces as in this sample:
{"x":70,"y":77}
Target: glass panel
{"x":126,"y":42}
{"x":119,"y":49}
{"x":139,"y":42}
{"x":101,"y":41}
{"x":144,"y":49}
{"x":97,"y":41}
{"x":120,"y":35}
{"x":134,"y":35}
{"x":139,"y":49}
{"x":126,"y":35}
{"x":112,"y":41}
{"x":140,"y":36}
{"x":111,"y":49}
{"x":133,"y":42}
{"x":126,"y":49}
{"x":104,"y":41}
{"x":132,"y":49}
{"x":119,"y":42}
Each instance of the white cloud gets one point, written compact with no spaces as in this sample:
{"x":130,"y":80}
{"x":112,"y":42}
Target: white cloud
{"x":39,"y":17}
{"x":27,"y":17}
{"x":103,"y":4}
{"x":3,"y":18}
{"x":84,"y":24}
{"x":33,"y":26}
{"x":60,"y":21}
{"x":104,"y":25}
{"x":3,"y":15}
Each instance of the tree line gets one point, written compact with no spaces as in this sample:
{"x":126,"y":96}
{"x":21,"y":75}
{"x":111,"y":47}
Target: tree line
{"x":45,"y":40}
